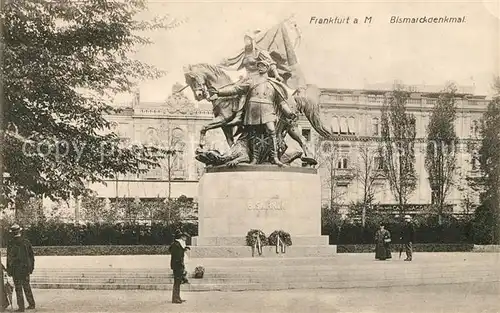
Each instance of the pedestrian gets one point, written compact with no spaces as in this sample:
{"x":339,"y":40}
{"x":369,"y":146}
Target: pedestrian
{"x":20,"y":265}
{"x":408,"y":237}
{"x":382,"y":243}
{"x":177,"y":250}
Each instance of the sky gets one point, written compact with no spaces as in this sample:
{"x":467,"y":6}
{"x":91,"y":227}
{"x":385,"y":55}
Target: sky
{"x":335,"y":55}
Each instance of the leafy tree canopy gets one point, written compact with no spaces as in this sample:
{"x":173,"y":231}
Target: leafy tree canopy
{"x":63,"y":61}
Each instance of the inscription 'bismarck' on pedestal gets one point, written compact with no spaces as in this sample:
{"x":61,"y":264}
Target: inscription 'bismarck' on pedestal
{"x":269,"y":205}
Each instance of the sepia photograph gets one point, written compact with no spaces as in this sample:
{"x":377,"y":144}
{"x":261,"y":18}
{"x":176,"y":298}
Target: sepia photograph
{"x":249,"y":156}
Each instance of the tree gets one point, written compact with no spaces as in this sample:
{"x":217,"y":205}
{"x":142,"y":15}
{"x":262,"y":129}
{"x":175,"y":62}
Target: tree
{"x":94,"y":210}
{"x":328,"y":157}
{"x":489,"y":159}
{"x":441,"y":149}
{"x":397,"y":146}
{"x":367,"y":173}
{"x":63,"y":63}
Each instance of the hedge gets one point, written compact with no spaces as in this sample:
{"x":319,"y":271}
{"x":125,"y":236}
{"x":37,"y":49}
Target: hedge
{"x":450,"y":233}
{"x":65,"y":234}
{"x":425,"y":247}
{"x":99,"y":250}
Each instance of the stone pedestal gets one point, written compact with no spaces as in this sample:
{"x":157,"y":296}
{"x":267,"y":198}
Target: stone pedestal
{"x":234,"y":200}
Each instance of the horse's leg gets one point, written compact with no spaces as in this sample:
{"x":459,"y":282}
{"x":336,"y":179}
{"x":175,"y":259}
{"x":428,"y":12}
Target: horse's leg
{"x":293,"y":132}
{"x":216,"y":123}
{"x":229,"y":133}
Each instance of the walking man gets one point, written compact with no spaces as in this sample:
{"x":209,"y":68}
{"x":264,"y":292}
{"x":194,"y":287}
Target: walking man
{"x":408,"y":237}
{"x":20,"y":265}
{"x":177,"y":250}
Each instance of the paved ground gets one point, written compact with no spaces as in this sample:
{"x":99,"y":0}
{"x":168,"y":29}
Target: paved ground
{"x":467,"y":298}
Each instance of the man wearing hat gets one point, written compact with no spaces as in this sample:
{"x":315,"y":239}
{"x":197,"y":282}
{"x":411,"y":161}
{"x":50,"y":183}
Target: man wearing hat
{"x":408,"y":237}
{"x":266,"y":98}
{"x":177,"y":249}
{"x":20,"y":264}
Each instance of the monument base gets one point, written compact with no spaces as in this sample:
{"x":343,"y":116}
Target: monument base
{"x":232,"y":201}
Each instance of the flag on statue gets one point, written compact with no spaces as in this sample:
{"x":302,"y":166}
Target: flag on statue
{"x":280,"y":41}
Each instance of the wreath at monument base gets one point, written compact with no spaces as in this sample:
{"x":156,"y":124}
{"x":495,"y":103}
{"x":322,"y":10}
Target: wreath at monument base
{"x":284,"y":236}
{"x":251,"y":238}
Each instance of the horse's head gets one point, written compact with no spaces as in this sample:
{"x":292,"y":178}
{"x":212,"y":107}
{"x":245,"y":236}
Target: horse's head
{"x":201,"y":76}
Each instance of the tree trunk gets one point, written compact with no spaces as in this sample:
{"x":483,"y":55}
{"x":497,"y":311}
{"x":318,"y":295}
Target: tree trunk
{"x":363,"y":216}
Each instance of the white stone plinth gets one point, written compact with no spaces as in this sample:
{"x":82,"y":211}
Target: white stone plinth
{"x":234,"y":200}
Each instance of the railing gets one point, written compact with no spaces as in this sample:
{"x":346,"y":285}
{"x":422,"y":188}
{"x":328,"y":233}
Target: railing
{"x":164,"y":111}
{"x":379,"y":99}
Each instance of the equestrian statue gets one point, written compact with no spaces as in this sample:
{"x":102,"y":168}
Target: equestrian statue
{"x":257,"y":112}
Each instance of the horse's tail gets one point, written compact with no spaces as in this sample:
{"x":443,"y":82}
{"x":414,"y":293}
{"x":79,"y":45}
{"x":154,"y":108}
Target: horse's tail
{"x":308,"y":103}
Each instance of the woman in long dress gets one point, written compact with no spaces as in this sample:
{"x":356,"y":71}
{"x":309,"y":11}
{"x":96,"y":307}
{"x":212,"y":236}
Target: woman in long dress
{"x":382,"y":244}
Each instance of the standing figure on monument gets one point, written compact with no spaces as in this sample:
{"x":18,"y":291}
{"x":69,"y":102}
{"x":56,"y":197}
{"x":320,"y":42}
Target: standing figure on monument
{"x":20,"y":264}
{"x":266,"y":98}
{"x":177,"y":250}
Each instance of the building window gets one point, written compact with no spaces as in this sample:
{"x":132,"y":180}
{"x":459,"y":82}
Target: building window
{"x":342,"y":163}
{"x":326,"y":146}
{"x":351,"y":125}
{"x":475,"y":130}
{"x":307,"y":134}
{"x":336,"y":125}
{"x":379,"y":163}
{"x":375,"y":127}
{"x":474,"y":162}
{"x":343,"y":126}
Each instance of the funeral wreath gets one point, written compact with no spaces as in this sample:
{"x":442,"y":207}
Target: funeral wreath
{"x":252,"y":236}
{"x":283,"y":235}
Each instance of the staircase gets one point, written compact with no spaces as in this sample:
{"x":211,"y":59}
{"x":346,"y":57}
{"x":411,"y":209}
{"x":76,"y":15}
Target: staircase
{"x":261,"y":273}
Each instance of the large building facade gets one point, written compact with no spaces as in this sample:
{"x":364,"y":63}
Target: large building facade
{"x":353,"y":115}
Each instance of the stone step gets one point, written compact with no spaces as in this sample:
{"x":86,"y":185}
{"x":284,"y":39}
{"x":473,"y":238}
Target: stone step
{"x":272,"y":277}
{"x":241,"y":241}
{"x":366,"y":283}
{"x":346,"y":271}
{"x":293,"y":251}
{"x":255,"y":271}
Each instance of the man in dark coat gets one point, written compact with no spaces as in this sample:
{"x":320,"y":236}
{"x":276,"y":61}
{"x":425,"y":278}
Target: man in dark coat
{"x":408,"y":237}
{"x":20,"y":264}
{"x":177,"y":250}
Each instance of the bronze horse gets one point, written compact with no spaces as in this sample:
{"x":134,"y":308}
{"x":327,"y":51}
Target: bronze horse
{"x":228,"y":111}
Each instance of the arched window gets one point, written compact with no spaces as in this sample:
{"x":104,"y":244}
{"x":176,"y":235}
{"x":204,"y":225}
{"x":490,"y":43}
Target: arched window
{"x":178,"y":146}
{"x":343,"y":125}
{"x":326,"y":146}
{"x":474,"y":128}
{"x":342,"y":163}
{"x":375,"y":126}
{"x":351,"y":125}
{"x":152,"y":136}
{"x":336,"y":125}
